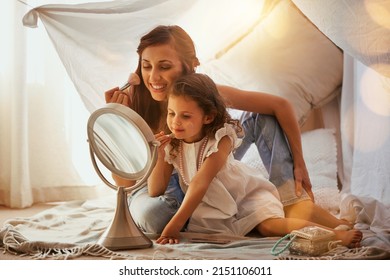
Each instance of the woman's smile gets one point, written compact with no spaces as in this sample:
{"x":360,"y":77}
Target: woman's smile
{"x":161,"y":66}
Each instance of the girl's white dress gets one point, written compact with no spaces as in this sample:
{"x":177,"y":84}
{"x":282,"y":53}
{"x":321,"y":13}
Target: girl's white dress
{"x":238,"y":198}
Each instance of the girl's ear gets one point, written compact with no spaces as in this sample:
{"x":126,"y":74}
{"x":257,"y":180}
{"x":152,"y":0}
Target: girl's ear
{"x":209,"y":118}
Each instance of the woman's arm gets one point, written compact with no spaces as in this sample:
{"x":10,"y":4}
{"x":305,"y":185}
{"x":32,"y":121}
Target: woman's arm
{"x":162,"y":171}
{"x":282,"y":109}
{"x":196,"y":191}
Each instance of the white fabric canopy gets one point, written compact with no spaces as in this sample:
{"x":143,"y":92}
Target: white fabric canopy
{"x":362,"y":30}
{"x":97,"y":42}
{"x":43,"y":148}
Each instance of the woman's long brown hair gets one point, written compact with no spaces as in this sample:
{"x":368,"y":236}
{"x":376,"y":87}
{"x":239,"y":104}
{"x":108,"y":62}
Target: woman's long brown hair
{"x":142,"y":101}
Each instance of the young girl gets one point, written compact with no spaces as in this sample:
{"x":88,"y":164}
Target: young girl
{"x":222,"y":195}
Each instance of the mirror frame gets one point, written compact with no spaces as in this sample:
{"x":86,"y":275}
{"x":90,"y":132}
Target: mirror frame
{"x":145,"y":132}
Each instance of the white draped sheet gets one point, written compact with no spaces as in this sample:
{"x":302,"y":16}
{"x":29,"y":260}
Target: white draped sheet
{"x":97,"y":42}
{"x":362,"y":30}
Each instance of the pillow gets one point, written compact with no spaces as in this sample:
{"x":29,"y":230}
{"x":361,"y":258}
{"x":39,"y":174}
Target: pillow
{"x":320,"y":154}
{"x":285,"y":55}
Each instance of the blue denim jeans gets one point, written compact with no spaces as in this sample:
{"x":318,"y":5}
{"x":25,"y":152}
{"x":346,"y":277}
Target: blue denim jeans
{"x":151,"y":214}
{"x":265,"y":132}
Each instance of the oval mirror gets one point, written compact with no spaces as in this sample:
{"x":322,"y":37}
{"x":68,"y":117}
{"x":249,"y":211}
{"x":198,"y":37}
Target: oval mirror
{"x":120,"y":146}
{"x":124,"y":143}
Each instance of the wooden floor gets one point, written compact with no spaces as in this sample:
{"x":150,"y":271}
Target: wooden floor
{"x":7,"y":213}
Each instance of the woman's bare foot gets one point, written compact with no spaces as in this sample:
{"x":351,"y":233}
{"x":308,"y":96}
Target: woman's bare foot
{"x":350,"y":238}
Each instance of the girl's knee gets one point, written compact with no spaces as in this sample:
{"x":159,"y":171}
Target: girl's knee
{"x":266,"y":227}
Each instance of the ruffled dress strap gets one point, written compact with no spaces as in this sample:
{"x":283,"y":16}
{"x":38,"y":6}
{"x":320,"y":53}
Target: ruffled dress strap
{"x":227,"y":130}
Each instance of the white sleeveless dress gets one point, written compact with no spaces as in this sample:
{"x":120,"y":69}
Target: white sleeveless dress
{"x":238,"y":198}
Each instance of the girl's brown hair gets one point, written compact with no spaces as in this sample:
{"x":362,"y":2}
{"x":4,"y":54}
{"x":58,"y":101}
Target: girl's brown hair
{"x":142,"y":101}
{"x":202,"y":89}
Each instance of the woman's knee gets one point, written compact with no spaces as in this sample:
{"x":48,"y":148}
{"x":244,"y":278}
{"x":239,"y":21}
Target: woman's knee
{"x":151,"y":214}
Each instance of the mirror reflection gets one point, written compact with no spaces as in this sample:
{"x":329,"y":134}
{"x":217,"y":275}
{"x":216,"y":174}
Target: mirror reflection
{"x":120,"y":144}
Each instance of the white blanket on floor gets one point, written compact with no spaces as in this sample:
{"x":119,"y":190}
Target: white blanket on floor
{"x":71,"y":231}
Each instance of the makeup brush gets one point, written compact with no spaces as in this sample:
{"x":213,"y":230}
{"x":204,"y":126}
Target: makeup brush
{"x":132,"y":80}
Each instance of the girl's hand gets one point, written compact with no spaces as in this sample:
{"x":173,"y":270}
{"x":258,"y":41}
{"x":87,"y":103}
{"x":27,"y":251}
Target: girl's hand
{"x":164,"y":140}
{"x":170,"y":235}
{"x":167,"y":240}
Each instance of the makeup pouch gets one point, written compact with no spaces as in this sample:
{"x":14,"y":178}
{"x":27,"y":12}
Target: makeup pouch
{"x":309,"y":241}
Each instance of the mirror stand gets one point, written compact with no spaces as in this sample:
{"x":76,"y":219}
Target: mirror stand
{"x":123,"y":232}
{"x":124,"y":144}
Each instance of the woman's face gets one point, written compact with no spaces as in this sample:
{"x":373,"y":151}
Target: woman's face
{"x":186,"y":119}
{"x":160,"y":67}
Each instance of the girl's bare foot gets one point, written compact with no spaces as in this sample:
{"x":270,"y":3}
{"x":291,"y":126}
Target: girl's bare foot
{"x":350,"y":238}
{"x":347,"y":223}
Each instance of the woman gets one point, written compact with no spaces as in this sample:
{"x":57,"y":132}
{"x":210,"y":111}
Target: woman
{"x":168,"y":52}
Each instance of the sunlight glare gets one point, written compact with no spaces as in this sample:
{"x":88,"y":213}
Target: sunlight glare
{"x":278,"y":29}
{"x":379,"y":12}
{"x":375,"y":92}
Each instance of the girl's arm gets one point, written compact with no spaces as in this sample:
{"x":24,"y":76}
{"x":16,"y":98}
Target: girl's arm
{"x":282,"y":109}
{"x":196,"y":191}
{"x":162,"y":171}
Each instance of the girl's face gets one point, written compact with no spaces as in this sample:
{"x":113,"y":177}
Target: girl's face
{"x":186,"y":119}
{"x":160,"y":67}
